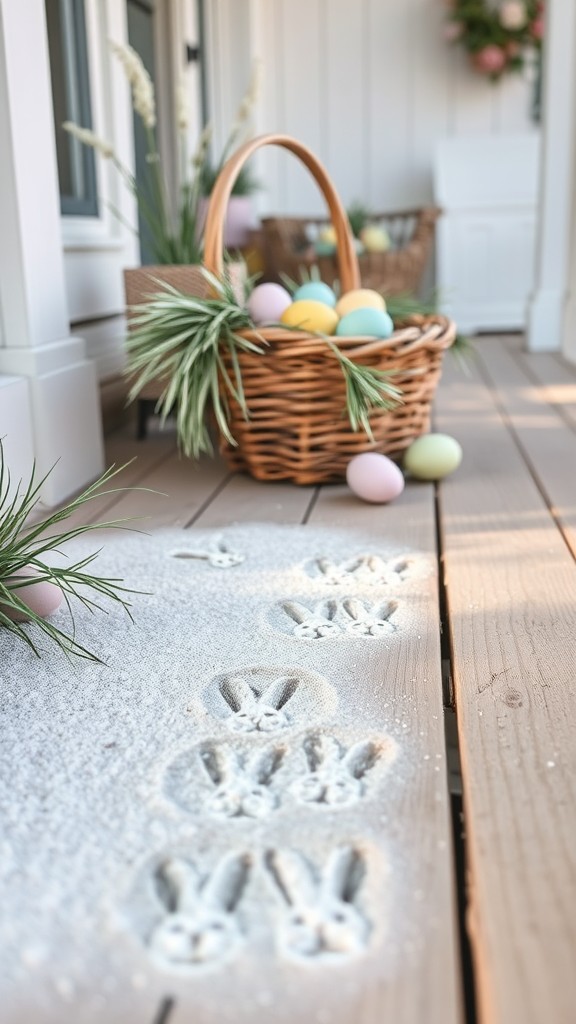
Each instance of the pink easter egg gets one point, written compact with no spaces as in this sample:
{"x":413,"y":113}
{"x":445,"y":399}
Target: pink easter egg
{"x":267,"y":303}
{"x":42,"y":598}
{"x":374,"y":477}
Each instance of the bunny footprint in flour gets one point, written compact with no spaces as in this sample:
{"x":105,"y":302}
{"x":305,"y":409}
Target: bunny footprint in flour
{"x":371,"y":570}
{"x":242,"y":782}
{"x":215,"y":552}
{"x":335,"y":776}
{"x":199,"y":924}
{"x":312,"y":624}
{"x":253,"y":712}
{"x":364,"y":619}
{"x":321,"y":921}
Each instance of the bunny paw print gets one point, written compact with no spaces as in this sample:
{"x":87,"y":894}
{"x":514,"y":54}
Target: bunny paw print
{"x":252,"y":712}
{"x":368,"y":620}
{"x":369,"y":569}
{"x":242,"y":785}
{"x":317,"y":624}
{"x":335,"y":775}
{"x":321,"y":921}
{"x":216,"y":553}
{"x":199,"y":925}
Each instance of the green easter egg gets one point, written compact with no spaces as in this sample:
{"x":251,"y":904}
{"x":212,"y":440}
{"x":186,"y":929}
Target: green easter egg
{"x":365,"y":323}
{"x":316,"y":290}
{"x":432,"y":457}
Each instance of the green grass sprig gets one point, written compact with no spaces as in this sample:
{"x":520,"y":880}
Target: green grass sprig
{"x":181,"y":338}
{"x":367,"y":390}
{"x":24,"y":547}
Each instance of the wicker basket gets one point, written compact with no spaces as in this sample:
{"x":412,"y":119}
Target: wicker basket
{"x":295,"y":391}
{"x":400,"y":270}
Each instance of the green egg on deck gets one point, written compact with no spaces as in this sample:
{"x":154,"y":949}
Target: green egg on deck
{"x":365,"y":322}
{"x":432,"y":457}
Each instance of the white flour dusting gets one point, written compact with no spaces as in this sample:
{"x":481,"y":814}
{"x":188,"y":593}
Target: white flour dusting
{"x":213,"y":812}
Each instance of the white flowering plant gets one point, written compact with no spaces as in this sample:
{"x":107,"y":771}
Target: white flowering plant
{"x":175,"y":234}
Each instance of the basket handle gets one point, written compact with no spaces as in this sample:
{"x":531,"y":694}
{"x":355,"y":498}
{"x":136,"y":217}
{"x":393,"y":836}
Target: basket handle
{"x":214,"y":230}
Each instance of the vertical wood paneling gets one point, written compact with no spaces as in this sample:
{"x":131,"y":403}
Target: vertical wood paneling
{"x":390,"y":113}
{"x":432,"y":108}
{"x":371,"y":86}
{"x":303,"y":43}
{"x":345,"y":112}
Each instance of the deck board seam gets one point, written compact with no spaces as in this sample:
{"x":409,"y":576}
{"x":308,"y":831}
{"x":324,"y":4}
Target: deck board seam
{"x":149,"y":469}
{"x":310,"y":507}
{"x":509,"y":426}
{"x":220,"y":486}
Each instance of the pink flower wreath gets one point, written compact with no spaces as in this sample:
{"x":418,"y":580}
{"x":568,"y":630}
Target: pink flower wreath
{"x":497,"y":36}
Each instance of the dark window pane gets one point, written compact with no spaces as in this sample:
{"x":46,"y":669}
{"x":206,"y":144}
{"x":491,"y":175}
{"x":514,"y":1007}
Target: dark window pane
{"x":71,"y":102}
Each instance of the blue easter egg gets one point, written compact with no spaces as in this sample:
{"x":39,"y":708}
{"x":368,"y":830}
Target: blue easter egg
{"x":324,"y":248}
{"x":317,"y":291}
{"x":365,"y":323}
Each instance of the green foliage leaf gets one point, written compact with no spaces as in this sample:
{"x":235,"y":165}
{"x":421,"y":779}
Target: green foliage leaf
{"x":24,"y":547}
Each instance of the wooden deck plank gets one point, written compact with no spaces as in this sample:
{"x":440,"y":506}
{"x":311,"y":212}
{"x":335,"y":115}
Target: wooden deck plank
{"x":145,"y":460}
{"x":184,"y":487}
{"x":246,"y":500}
{"x":511,"y":583}
{"x":424,"y":986}
{"x":555,"y":378}
{"x":547,"y":442}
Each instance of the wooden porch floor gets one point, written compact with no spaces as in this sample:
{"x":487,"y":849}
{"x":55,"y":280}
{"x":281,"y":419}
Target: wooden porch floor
{"x":504,"y":532}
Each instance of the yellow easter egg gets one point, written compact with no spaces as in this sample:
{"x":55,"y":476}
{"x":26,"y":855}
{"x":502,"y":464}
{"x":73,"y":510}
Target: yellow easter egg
{"x":310,"y":316}
{"x":361,"y":298}
{"x":327,"y":234}
{"x":374,"y":238}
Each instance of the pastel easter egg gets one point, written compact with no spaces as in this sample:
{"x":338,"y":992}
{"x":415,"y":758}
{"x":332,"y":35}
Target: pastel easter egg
{"x":328,"y":234}
{"x":310,"y":316}
{"x":360,"y":298}
{"x":43,"y":598}
{"x":365,"y":323}
{"x":267,"y":303}
{"x":374,"y":238}
{"x":432,"y":457}
{"x":324,"y":248}
{"x":316,"y":290}
{"x":374,"y":477}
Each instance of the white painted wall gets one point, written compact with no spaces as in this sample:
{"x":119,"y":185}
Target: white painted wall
{"x":369,"y":85}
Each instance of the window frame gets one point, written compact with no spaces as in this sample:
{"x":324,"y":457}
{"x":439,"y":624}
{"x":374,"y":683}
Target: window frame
{"x":76,"y":69}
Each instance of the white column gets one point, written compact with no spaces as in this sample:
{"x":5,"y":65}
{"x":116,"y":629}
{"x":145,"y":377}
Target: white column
{"x":569,"y":330}
{"x":36,"y":346}
{"x":547,"y":305}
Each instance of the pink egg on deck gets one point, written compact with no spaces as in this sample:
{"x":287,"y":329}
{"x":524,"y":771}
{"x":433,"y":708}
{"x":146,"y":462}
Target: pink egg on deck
{"x":43,"y":598}
{"x":267,"y":303}
{"x":374,"y":477}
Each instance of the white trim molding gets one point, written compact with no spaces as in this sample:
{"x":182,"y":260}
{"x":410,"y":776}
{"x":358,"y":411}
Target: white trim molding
{"x":48,"y":369}
{"x":547,"y":306}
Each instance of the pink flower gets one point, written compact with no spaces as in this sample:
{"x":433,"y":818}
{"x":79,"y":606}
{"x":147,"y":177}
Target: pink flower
{"x":537,"y":28}
{"x":490,"y":60}
{"x":452,"y":31}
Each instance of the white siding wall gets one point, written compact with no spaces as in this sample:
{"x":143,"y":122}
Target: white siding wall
{"x":370,"y":85}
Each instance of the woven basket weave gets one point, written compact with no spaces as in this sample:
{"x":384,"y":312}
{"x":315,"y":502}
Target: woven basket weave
{"x":399,"y":270}
{"x":295,"y":391}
